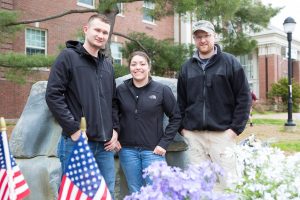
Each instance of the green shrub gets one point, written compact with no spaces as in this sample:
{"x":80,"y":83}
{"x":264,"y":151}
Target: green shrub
{"x":166,"y":56}
{"x":120,"y":70}
{"x":279,"y":93}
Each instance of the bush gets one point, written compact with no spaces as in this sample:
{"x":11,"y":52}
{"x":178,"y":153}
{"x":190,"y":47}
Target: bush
{"x":279,"y":93}
{"x":166,"y":57}
{"x":120,"y":70}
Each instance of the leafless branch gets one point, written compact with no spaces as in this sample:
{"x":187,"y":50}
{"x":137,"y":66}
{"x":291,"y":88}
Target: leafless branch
{"x":131,"y":39}
{"x":53,"y":17}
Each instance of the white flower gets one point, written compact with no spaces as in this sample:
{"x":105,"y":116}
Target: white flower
{"x":265,"y":172}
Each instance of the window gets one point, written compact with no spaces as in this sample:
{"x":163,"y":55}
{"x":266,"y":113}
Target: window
{"x":35,"y":41}
{"x":86,"y":3}
{"x":116,"y":52}
{"x":121,"y":8}
{"x":246,"y":62}
{"x":148,"y":7}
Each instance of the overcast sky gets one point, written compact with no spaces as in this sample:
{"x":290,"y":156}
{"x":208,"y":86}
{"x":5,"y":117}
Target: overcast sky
{"x":291,"y":9}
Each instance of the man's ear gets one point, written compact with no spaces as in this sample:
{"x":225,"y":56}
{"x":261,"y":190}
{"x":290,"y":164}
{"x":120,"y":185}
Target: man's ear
{"x":85,"y":28}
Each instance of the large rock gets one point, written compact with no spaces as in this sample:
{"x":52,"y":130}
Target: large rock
{"x":34,"y":140}
{"x":33,"y":143}
{"x":42,"y":174}
{"x":36,"y":132}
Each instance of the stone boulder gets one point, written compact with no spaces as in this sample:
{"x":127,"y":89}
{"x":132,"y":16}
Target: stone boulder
{"x":34,"y":141}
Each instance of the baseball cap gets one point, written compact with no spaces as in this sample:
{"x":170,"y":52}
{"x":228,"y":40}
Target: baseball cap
{"x":204,"y":26}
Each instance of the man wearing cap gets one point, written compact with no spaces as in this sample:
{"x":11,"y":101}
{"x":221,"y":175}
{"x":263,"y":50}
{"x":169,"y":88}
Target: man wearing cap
{"x":213,"y":96}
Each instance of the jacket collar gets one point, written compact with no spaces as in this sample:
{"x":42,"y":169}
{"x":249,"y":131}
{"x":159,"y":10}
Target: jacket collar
{"x":129,"y":82}
{"x":217,"y":51}
{"x":78,"y":47}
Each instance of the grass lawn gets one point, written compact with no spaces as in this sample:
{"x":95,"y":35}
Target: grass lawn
{"x":266,"y":127}
{"x":269,"y":121}
{"x":290,"y":146}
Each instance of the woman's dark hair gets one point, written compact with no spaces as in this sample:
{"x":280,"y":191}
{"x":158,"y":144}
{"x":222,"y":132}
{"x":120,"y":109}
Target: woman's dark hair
{"x":139,"y":53}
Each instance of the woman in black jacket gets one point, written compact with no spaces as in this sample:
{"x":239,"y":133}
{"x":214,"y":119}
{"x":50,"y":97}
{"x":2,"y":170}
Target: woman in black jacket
{"x":142,"y":105}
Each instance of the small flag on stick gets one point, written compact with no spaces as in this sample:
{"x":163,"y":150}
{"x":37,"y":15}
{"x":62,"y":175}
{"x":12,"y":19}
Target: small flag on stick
{"x":82,"y":178}
{"x":12,"y":183}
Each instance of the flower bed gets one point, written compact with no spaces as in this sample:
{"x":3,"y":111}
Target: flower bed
{"x":172,"y":183}
{"x":265,"y":173}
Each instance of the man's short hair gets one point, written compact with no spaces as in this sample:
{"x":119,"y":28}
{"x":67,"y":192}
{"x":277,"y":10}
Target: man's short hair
{"x":101,"y":17}
{"x":203,"y":25}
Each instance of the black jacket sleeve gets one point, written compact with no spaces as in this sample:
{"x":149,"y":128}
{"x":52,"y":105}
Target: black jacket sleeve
{"x":181,"y":96}
{"x":57,"y":85}
{"x":242,"y":99}
{"x":171,"y":109}
{"x":115,"y":109}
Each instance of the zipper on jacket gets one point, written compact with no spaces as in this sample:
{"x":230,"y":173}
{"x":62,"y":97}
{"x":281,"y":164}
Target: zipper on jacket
{"x":136,"y":103}
{"x":204,"y":101}
{"x":136,"y":98}
{"x":99,"y":104}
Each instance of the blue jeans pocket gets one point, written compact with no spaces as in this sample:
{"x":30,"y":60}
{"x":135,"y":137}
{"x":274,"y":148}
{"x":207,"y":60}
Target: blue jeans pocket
{"x":64,"y":150}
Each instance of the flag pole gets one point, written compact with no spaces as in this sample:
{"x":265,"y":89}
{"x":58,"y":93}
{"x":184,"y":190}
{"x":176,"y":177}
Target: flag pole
{"x":83,"y":124}
{"x":83,"y":127}
{"x":11,"y":184}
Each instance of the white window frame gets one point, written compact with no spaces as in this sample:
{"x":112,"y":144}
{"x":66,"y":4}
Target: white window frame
{"x":246,"y":62}
{"x":86,"y":5}
{"x":116,"y":55}
{"x":150,"y":6}
{"x":32,"y":46}
{"x":121,"y":9}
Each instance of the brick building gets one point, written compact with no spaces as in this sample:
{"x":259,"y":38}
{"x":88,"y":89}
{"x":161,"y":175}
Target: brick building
{"x":46,"y":37}
{"x":266,"y":65}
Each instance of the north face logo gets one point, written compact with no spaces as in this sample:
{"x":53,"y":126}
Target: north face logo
{"x":152,"y":96}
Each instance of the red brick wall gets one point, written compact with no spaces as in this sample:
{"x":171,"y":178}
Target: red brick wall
{"x":58,"y":30}
{"x":13,"y":96}
{"x":7,"y":4}
{"x":133,"y":22}
{"x":277,"y":68}
{"x":65,"y":28}
{"x":296,"y":71}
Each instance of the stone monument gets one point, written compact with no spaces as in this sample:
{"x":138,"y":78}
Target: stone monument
{"x":34,"y":139}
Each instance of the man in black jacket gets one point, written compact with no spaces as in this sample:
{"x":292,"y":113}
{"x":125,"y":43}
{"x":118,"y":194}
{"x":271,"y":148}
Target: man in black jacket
{"x":82,"y":84}
{"x":214,"y":100}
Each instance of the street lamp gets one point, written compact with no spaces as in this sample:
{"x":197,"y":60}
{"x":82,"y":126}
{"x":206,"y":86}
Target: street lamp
{"x":289,"y":26}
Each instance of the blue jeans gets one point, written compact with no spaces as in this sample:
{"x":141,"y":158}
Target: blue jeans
{"x":104,"y":159}
{"x":133,"y":161}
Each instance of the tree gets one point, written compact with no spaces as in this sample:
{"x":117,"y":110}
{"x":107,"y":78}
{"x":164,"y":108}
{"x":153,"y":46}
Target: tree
{"x":166,"y":57}
{"x":279,"y":90}
{"x":233,"y":19}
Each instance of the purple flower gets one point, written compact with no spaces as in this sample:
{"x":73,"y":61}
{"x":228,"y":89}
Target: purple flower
{"x":172,"y":183}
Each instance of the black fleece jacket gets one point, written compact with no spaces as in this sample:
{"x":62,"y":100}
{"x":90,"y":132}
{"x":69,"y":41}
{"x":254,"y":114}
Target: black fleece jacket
{"x":141,"y":119}
{"x":82,"y":85}
{"x":215,"y":98}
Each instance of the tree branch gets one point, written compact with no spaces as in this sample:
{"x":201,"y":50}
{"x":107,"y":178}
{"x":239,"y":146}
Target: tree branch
{"x":53,"y":17}
{"x":129,"y":1}
{"x":131,"y":39}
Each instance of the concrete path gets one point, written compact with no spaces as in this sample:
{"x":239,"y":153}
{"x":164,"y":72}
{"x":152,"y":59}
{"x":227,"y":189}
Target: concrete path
{"x":296,"y":116}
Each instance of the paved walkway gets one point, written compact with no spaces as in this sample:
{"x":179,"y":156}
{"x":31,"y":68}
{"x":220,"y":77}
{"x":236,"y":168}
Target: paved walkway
{"x":296,"y":116}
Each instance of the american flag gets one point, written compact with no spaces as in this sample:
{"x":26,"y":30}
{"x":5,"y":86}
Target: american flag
{"x":12,"y":183}
{"x":82,"y":178}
